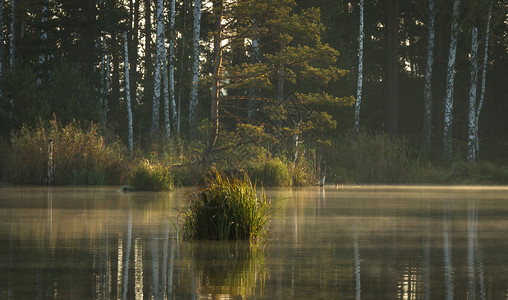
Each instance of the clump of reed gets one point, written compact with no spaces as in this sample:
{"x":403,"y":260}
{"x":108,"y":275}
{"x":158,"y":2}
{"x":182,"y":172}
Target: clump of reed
{"x":150,"y":176}
{"x":273,"y":172}
{"x":226,"y":208}
{"x":80,"y":155}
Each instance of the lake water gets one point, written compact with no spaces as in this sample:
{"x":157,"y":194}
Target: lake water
{"x":370,"y":242}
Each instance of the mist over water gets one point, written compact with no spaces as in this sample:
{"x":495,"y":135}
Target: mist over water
{"x":370,"y":242}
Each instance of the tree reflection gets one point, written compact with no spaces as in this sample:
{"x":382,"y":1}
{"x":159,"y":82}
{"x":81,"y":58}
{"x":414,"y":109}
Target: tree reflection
{"x":448,"y":268}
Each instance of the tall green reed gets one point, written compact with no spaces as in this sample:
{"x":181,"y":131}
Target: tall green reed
{"x":226,"y":208}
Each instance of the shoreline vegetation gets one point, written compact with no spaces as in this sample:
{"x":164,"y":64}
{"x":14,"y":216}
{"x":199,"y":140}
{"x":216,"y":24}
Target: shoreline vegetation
{"x":84,"y":156}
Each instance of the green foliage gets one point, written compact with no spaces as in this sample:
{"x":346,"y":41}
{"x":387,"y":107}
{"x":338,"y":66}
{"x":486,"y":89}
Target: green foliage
{"x":21,"y":101}
{"x":272,"y":172}
{"x":66,"y":94}
{"x":150,"y":176}
{"x":478,"y":173}
{"x":80,"y":155}
{"x":372,"y":158}
{"x":226,"y":208}
{"x":70,"y":94}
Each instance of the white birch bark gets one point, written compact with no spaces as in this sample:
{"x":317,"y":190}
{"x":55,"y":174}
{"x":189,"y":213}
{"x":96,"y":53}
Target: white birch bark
{"x":427,"y":118}
{"x":450,"y":82}
{"x":360,"y":73}
{"x":104,"y":82}
{"x":159,"y":57}
{"x":195,"y":70}
{"x":484,"y":75}
{"x":471,"y":145}
{"x":44,"y":37}
{"x":252,"y":91}
{"x":172,"y":64}
{"x":165,"y":76}
{"x":13,"y":34}
{"x":2,"y":37}
{"x":127,"y":92}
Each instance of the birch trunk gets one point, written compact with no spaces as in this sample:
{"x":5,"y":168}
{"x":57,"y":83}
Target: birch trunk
{"x":104,"y":82}
{"x":392,"y":29}
{"x":44,"y":37}
{"x":471,"y":145}
{"x":252,"y":91}
{"x":450,"y":82}
{"x":165,"y":76}
{"x":214,"y":116}
{"x":427,"y":118}
{"x":127,"y":92}
{"x":484,"y":75}
{"x":360,"y":72}
{"x":13,"y":33}
{"x":2,"y":38}
{"x":195,"y":71}
{"x":280,"y":81}
{"x":158,"y":64}
{"x":182,"y":56}
{"x":172,"y":64}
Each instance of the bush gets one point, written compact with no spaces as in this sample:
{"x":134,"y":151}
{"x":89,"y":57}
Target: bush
{"x":372,"y":159}
{"x":225,"y":209}
{"x":272,"y":172}
{"x":80,"y":155}
{"x":147,"y":176}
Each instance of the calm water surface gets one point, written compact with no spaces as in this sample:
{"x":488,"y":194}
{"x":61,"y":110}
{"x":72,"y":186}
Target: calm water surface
{"x":348,"y":243}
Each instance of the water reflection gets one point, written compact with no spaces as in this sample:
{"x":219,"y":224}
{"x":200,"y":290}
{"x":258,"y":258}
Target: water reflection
{"x":448,"y":267}
{"x":371,"y":243}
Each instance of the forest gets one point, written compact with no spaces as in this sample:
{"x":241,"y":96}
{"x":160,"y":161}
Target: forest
{"x":287,"y":91}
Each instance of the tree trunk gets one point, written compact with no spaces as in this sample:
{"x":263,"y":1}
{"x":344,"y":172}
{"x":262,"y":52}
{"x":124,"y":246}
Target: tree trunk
{"x":103,"y":89}
{"x":148,"y":84}
{"x":360,"y":73}
{"x":182,"y":56}
{"x":484,"y":75}
{"x":127,"y":91}
{"x":193,"y":105}
{"x":280,"y":80}
{"x":450,"y":82}
{"x":165,"y":76}
{"x":159,"y":57}
{"x":13,"y":33}
{"x":172,"y":63}
{"x":133,"y":49}
{"x":218,"y":7}
{"x":392,"y":66}
{"x":252,"y":91}
{"x":2,"y":38}
{"x":427,"y":113}
{"x":471,"y":146}
{"x":44,"y":37}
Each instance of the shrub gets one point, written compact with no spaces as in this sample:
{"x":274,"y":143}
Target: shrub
{"x":272,"y":172}
{"x":225,"y":209}
{"x":372,"y":158}
{"x":80,"y":155}
{"x":148,"y":176}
